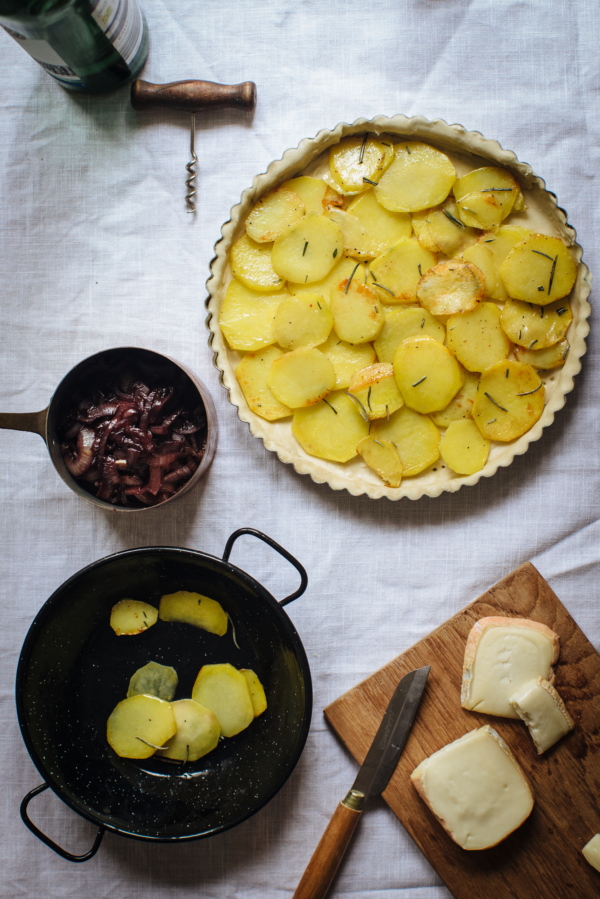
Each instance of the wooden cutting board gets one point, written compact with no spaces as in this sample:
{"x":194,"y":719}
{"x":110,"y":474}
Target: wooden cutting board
{"x":542,"y":859}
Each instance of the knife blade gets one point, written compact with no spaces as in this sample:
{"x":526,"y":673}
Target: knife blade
{"x":372,"y":779}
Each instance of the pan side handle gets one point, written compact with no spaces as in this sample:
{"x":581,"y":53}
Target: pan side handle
{"x":42,"y":836}
{"x":25,"y":421}
{"x":282,"y":552}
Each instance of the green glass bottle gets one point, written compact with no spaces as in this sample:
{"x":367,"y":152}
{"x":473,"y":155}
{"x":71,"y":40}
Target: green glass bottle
{"x":89,"y":46}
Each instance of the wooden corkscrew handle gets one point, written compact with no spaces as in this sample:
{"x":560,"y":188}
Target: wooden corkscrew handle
{"x":193,"y":96}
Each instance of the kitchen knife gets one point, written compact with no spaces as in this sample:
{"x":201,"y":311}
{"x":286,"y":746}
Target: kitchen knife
{"x":372,"y":779}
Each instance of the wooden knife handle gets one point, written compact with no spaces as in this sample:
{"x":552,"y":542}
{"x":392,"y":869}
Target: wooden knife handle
{"x":326,"y":858}
{"x":193,"y":96}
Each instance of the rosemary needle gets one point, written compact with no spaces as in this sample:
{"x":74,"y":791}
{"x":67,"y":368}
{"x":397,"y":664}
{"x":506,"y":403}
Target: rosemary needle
{"x":351,"y":276}
{"x":492,"y":400}
{"x":416,"y":384}
{"x":529,"y":392}
{"x":453,"y":220}
{"x":362,"y":151}
{"x":329,"y":404}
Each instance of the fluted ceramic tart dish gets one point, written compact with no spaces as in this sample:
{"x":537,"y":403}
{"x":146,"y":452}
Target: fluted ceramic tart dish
{"x":501,"y":198}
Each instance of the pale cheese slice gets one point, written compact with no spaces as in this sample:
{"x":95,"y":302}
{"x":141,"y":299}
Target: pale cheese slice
{"x":538,"y":704}
{"x":591,"y":851}
{"x":501,"y":655}
{"x":476,"y":789}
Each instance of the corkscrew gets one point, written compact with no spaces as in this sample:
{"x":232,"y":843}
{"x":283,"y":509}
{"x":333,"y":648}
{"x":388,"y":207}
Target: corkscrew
{"x":193,"y":97}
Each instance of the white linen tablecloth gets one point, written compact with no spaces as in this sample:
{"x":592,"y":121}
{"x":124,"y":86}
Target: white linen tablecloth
{"x":96,"y":250}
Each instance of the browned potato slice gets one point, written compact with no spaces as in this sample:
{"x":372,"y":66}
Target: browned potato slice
{"x":357,"y":313}
{"x":542,"y":360}
{"x":257,"y":691}
{"x":476,"y":338}
{"x":346,"y":358}
{"x":536,"y":327}
{"x":482,"y":257}
{"x":509,"y":401}
{"x":463,"y":447}
{"x":224,"y":690}
{"x":330,"y":429}
{"x":382,"y":456}
{"x":198,"y":732}
{"x":440,"y":230}
{"x":461,"y":405}
{"x":477,"y":188}
{"x":395,"y":274}
{"x":247,"y":318}
{"x":479,"y":210}
{"x":194,"y":609}
{"x":311,"y":191}
{"x":402,"y":324}
{"x":251,"y":264}
{"x":419,"y":177}
{"x":501,"y":241}
{"x":273,"y":213}
{"x":301,"y":378}
{"x":376,"y":390}
{"x":427,"y":373}
{"x":353,"y":233}
{"x":358,"y":158}
{"x":341,"y":270}
{"x":538,"y":270}
{"x":451,"y":287}
{"x":140,"y":725}
{"x":306,"y":251}
{"x":252,"y":373}
{"x":415,"y":437}
{"x":154,"y":679}
{"x":130,"y":616}
{"x":383,"y":228}
{"x":303,"y":321}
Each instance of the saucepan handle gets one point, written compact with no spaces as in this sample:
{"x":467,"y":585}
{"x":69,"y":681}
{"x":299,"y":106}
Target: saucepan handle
{"x":42,"y":836}
{"x":25,"y":421}
{"x":282,"y":552}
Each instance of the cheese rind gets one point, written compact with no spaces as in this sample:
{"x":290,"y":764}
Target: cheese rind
{"x":475,"y":788}
{"x":591,"y":852}
{"x":501,"y":655}
{"x":538,"y":704}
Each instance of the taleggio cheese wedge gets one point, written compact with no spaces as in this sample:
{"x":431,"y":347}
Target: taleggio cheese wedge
{"x":475,"y":788}
{"x":501,"y":655}
{"x":538,"y":704}
{"x":591,"y":851}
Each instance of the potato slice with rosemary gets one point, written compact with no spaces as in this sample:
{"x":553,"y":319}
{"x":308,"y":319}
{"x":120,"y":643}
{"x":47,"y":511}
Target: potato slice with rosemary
{"x":402,"y":324}
{"x":382,"y":228}
{"x":341,"y":270}
{"x":251,"y":264}
{"x":450,"y":288}
{"x":461,"y":405}
{"x":357,"y":162}
{"x":539,"y":270}
{"x":357,"y":313}
{"x":330,"y":429}
{"x":257,"y":691}
{"x":224,"y":690}
{"x":427,"y":373}
{"x":353,"y":233}
{"x":440,"y":230}
{"x":509,"y":401}
{"x":501,"y":241}
{"x":394,"y":275}
{"x":383,"y":458}
{"x":536,"y":327}
{"x":485,"y":196}
{"x":140,"y":725}
{"x":247,"y":318}
{"x":301,"y":378}
{"x":463,"y":447}
{"x":419,"y":177}
{"x":542,"y":360}
{"x":252,"y":373}
{"x":482,"y":257}
{"x":273,"y":213}
{"x":415,"y":437}
{"x":476,"y":338}
{"x":131,"y":616}
{"x":155,"y":680}
{"x":479,"y":210}
{"x":198,"y":732}
{"x":311,"y":191}
{"x":303,"y":321}
{"x":306,"y":251}
{"x":346,"y":358}
{"x":195,"y":609}
{"x":376,"y":390}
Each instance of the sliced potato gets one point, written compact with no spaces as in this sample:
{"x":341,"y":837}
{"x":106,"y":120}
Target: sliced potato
{"x":353,"y":233}
{"x":357,"y":313}
{"x":252,"y":373}
{"x":224,"y":690}
{"x":247,"y":318}
{"x":257,"y":691}
{"x":509,"y":401}
{"x":382,"y":456}
{"x":476,"y":338}
{"x":198,"y":732}
{"x":463,"y":447}
{"x":155,"y":680}
{"x":273,"y":213}
{"x":482,"y":257}
{"x":501,"y":241}
{"x":415,"y":437}
{"x":306,"y":251}
{"x":130,"y":616}
{"x":477,"y":188}
{"x":538,"y":270}
{"x":346,"y":358}
{"x":251,"y":264}
{"x":357,"y":158}
{"x":140,"y":725}
{"x":402,"y":324}
{"x":341,"y":270}
{"x":330,"y":429}
{"x":536,"y":327}
{"x":303,"y":321}
{"x":461,"y":405}
{"x":419,"y":177}
{"x":427,"y":373}
{"x":195,"y":609}
{"x":311,"y":191}
{"x":542,"y":360}
{"x":395,"y":274}
{"x":479,"y":210}
{"x":450,"y":288}
{"x":376,"y":390}
{"x":382,"y":228}
{"x":440,"y":230}
{"x":301,"y":378}
{"x":332,"y":198}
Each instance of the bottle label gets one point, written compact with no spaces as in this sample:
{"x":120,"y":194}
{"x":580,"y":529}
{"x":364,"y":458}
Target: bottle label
{"x":48,"y":58}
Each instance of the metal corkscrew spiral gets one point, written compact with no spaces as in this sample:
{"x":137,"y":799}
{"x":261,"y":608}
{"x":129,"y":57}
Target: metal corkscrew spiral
{"x":191,"y":168}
